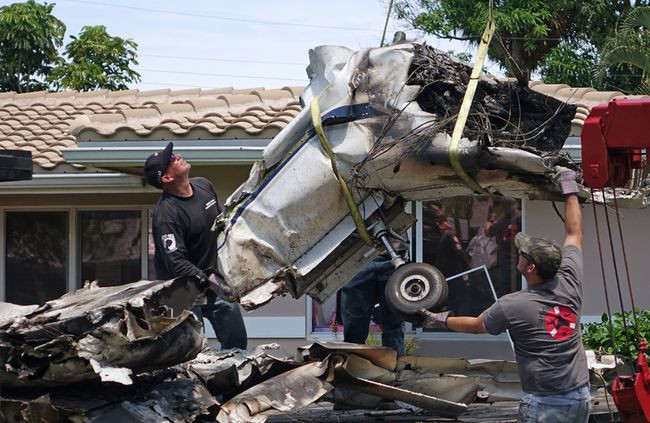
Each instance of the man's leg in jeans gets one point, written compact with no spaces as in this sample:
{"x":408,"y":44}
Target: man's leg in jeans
{"x":227,"y":323}
{"x":392,"y":327}
{"x":570,"y":407}
{"x":357,"y":302}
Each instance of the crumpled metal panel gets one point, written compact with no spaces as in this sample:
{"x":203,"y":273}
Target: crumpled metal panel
{"x":381,"y":356}
{"x":385,"y":146}
{"x":170,"y":395}
{"x":460,"y":380}
{"x":109,"y":333}
{"x":289,"y":391}
{"x":361,"y":371}
{"x":233,"y":371}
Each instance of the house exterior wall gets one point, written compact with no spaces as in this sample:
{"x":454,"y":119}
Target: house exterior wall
{"x":542,"y":220}
{"x":286,"y":320}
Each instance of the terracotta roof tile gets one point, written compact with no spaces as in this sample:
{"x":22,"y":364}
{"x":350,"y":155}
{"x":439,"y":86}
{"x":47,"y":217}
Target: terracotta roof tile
{"x":189,"y":93}
{"x":203,"y":104}
{"x":46,"y":122}
{"x":174,"y":108}
{"x":216,"y":91}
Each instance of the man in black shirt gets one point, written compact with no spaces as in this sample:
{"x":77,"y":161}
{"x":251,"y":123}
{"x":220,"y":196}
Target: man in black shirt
{"x":185,"y":246}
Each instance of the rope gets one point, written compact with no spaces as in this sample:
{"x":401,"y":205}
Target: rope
{"x":354,"y":210}
{"x":627,"y":270}
{"x":467,"y":104}
{"x":618,"y":282}
{"x":602,"y":270}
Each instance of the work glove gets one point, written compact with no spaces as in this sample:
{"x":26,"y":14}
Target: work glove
{"x":566,"y":179}
{"x":218,"y":285}
{"x":430,"y":320}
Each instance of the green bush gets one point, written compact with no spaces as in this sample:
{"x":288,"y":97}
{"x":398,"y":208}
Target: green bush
{"x":597,"y":336}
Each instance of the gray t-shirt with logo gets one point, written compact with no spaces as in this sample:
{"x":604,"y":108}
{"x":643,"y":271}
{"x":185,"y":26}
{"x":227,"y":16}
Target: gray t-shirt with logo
{"x":544,"y":323}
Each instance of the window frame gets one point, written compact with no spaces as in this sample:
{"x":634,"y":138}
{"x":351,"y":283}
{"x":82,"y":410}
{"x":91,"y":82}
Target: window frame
{"x":456,"y":336}
{"x":73,"y":270}
{"x":144,"y":239}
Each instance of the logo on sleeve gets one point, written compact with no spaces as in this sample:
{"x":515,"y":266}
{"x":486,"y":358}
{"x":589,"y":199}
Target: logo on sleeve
{"x":210,"y":203}
{"x":560,"y":323}
{"x":169,"y":242}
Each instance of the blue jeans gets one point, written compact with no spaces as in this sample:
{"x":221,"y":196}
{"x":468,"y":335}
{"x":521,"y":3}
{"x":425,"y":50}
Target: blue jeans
{"x":227,"y":322}
{"x":358,"y":299}
{"x":572,"y":406}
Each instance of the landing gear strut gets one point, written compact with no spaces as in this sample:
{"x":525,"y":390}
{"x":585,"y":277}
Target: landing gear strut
{"x":413,"y":286}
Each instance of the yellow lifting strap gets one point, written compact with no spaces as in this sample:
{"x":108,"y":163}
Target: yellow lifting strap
{"x":467,"y":104}
{"x":354,"y":210}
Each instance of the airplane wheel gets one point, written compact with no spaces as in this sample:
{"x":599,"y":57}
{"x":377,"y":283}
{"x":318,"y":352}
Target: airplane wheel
{"x":413,"y":287}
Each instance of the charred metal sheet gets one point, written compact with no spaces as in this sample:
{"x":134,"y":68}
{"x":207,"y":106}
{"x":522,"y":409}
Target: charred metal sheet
{"x":230,"y":372}
{"x":109,"y":333}
{"x":289,"y":391}
{"x":169,"y":395}
{"x":363,"y":374}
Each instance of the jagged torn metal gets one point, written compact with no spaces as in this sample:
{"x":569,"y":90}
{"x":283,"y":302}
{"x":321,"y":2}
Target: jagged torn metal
{"x":95,"y":332}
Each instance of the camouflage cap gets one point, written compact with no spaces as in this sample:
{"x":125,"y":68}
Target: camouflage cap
{"x":543,"y":252}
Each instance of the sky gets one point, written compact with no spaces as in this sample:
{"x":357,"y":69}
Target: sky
{"x":236,"y":43}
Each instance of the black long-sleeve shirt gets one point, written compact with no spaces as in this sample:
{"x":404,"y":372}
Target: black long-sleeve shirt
{"x":185,"y":246}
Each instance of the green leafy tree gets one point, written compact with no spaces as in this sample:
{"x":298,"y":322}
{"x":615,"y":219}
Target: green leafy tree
{"x":97,"y":61}
{"x":29,"y":38}
{"x":559,"y":38}
{"x":627,"y":51}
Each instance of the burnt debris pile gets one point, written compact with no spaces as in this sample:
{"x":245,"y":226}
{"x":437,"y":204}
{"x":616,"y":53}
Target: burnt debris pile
{"x":503,"y":113}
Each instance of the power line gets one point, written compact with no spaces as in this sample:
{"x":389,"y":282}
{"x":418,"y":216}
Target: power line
{"x":223,"y":18}
{"x":210,"y":59}
{"x":222,"y":74}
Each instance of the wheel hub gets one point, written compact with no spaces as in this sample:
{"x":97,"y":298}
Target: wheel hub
{"x":414,"y":288}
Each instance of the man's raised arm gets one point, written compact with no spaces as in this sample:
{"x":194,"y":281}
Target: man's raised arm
{"x":566,"y":179}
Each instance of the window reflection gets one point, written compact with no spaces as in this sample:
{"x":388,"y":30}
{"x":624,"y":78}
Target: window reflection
{"x":110,"y":246}
{"x":36,"y":256}
{"x":468,"y":232}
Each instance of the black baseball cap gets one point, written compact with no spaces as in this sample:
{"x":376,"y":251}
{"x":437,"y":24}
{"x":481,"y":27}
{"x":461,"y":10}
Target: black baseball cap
{"x":543,"y":252}
{"x":156,"y":164}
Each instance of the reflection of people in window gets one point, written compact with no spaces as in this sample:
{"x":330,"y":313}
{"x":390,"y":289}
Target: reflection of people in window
{"x":504,"y":231}
{"x":451,"y":261}
{"x":482,"y":251}
{"x":434,"y":225}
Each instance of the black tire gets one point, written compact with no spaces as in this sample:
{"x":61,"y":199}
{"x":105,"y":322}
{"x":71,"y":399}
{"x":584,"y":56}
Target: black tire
{"x":413,"y":287}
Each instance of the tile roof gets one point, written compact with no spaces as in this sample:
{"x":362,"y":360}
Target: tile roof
{"x":44,"y":123}
{"x":583,"y":98}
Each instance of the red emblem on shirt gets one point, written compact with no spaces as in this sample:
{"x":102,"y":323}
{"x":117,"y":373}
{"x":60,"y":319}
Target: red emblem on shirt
{"x":560,"y":322}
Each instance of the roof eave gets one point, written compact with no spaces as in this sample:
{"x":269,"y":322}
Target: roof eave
{"x":134,"y":153}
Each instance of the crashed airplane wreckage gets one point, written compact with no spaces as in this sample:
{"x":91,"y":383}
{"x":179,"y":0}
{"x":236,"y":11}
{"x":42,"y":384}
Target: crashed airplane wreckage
{"x":375,"y":132}
{"x":134,"y":353}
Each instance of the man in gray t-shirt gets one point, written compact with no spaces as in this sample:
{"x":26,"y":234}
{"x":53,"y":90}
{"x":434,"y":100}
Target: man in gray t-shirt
{"x":543,"y":320}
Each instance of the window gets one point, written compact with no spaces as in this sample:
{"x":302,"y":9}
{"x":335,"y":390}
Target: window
{"x":110,"y":246}
{"x":36,"y":256}
{"x":462,"y":234}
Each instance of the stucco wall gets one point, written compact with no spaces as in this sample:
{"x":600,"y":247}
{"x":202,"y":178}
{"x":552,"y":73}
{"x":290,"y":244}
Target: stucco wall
{"x":541,"y":219}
